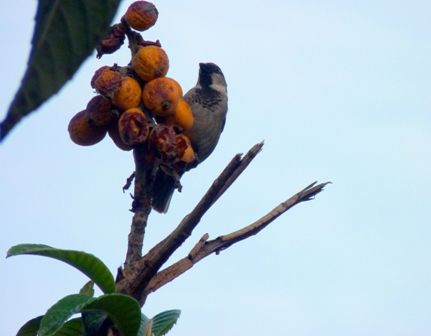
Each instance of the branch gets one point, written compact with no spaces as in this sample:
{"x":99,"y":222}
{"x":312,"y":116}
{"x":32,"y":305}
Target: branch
{"x":204,"y":247}
{"x":145,"y":268}
{"x":141,"y":207}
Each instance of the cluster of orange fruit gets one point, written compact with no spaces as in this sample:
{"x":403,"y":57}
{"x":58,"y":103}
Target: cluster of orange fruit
{"x":137,"y":104}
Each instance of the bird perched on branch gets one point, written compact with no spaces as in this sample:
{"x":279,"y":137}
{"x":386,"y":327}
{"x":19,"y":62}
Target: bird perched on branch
{"x":208,"y":102}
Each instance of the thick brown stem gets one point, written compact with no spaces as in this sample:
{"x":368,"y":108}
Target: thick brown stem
{"x":141,"y":207}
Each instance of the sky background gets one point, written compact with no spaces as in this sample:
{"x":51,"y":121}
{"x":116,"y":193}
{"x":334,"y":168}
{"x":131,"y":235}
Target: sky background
{"x":339,"y":91}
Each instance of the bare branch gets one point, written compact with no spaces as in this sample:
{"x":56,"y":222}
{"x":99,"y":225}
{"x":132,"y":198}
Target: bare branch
{"x":251,"y":154}
{"x":141,"y":207}
{"x":204,"y":247}
{"x":149,"y":265}
{"x":175,"y":270}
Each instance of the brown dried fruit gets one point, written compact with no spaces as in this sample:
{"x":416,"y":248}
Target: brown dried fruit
{"x":150,"y":62}
{"x":133,"y":127}
{"x":141,"y":15}
{"x":162,"y":95}
{"x":83,"y":132}
{"x":184,"y":149}
{"x":173,"y":148}
{"x":163,"y":139}
{"x":105,"y":80}
{"x":112,"y":41}
{"x":100,"y":111}
{"x":114,"y":134}
{"x":128,"y":93}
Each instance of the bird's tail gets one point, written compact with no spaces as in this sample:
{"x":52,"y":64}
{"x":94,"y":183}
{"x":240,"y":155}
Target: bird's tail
{"x":164,"y":187}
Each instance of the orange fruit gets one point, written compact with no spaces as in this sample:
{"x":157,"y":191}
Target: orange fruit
{"x":184,"y":148}
{"x":141,"y":15}
{"x":150,"y":62}
{"x":106,"y":80}
{"x":83,"y":132}
{"x":128,"y":94}
{"x":183,"y":115}
{"x":161,"y":96}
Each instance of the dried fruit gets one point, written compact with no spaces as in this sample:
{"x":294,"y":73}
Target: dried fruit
{"x":112,"y":41}
{"x":150,"y":62}
{"x":114,"y":134}
{"x":184,"y":149}
{"x":105,"y":80}
{"x":100,"y":111}
{"x":141,"y":15}
{"x":162,"y":95}
{"x":172,"y":148}
{"x":83,"y":132}
{"x":133,"y":127}
{"x":163,"y":139}
{"x":128,"y":93}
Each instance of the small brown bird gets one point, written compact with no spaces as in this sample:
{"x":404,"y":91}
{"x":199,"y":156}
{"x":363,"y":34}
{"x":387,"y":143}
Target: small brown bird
{"x":208,"y":102}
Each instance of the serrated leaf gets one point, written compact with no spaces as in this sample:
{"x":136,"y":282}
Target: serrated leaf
{"x":66,"y":33}
{"x":73,"y":327}
{"x":122,"y":309}
{"x":87,"y":263}
{"x":30,"y":328}
{"x":88,"y":289}
{"x":60,"y":312}
{"x":163,"y":322}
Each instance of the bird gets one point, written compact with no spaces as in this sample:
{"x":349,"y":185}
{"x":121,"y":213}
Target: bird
{"x":209,"y":104}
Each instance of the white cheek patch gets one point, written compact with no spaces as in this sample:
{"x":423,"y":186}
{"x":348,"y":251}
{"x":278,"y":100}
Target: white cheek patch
{"x":219,"y":87}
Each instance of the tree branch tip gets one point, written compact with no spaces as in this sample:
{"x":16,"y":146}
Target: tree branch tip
{"x":237,"y":157}
{"x":324,"y":184}
{"x":257,"y":147}
{"x":310,"y":186}
{"x":204,"y":237}
{"x":198,"y":246}
{"x":321,"y":186}
{"x":309,"y":193}
{"x":253,"y":150}
{"x":313,"y":185}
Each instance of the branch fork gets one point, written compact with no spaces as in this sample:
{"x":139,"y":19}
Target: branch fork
{"x":143,"y":275}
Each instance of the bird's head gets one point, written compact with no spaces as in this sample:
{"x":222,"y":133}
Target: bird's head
{"x":211,"y":77}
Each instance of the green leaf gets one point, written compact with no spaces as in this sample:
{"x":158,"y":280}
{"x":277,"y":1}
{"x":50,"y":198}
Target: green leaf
{"x":88,"y":289}
{"x":30,"y":328}
{"x":73,"y":327}
{"x":59,"y":313}
{"x":122,"y":309}
{"x":145,"y":327}
{"x":95,"y":322}
{"x":148,"y":330}
{"x":163,"y":322}
{"x":87,"y":263}
{"x":66,"y":33}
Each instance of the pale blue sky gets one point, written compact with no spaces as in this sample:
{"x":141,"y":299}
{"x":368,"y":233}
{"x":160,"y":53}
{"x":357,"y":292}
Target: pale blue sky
{"x":339,"y":90}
